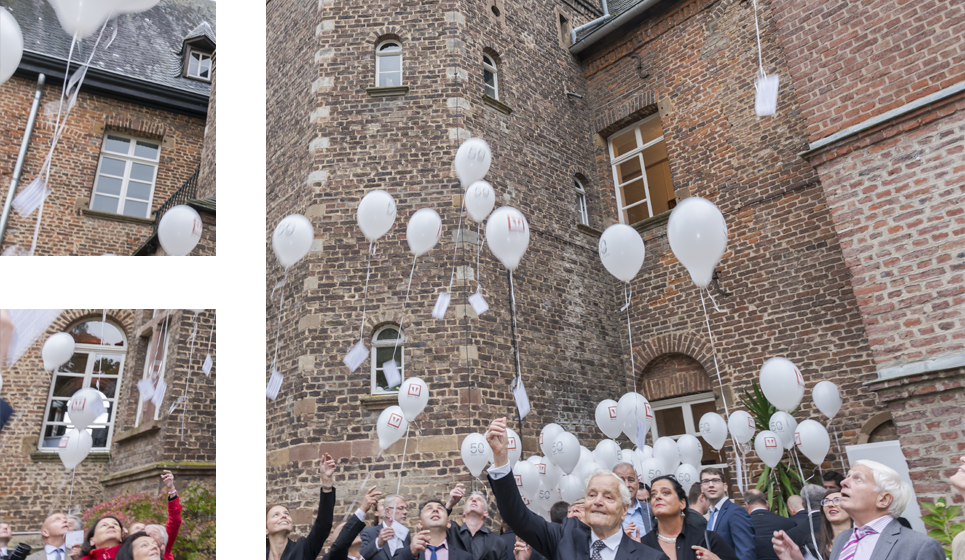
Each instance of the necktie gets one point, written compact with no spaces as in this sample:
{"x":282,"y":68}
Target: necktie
{"x":713,"y":517}
{"x":58,"y":554}
{"x":597,"y":547}
{"x":434,"y":549}
{"x":851,"y":547}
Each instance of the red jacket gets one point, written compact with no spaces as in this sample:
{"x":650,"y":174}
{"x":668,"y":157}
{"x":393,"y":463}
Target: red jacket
{"x":172,"y":527}
{"x":102,"y":553}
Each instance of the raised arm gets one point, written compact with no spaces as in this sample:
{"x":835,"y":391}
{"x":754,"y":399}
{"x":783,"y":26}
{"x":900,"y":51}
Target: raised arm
{"x":174,"y":511}
{"x":326,"y":510}
{"x":353,"y":527}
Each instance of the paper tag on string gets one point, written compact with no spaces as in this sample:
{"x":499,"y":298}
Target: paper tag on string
{"x":274,"y":384}
{"x":73,"y":537}
{"x":206,"y":367}
{"x":478,"y":303}
{"x":146,"y":389}
{"x":522,"y":400}
{"x":392,"y":376}
{"x":175,"y":404}
{"x":442,"y":304}
{"x":28,"y":326}
{"x":766,"y":102}
{"x":159,"y":391}
{"x":15,"y":251}
{"x":30,"y":198}
{"x":641,"y":434}
{"x":356,"y":356}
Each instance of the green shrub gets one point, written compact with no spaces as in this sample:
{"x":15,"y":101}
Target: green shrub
{"x":940,"y":516}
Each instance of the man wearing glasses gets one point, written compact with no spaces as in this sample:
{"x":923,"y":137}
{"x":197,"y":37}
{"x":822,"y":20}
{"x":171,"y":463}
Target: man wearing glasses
{"x":383,"y":540}
{"x":727,"y":519}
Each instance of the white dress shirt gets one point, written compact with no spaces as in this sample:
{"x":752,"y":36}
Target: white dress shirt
{"x":51,"y":552}
{"x":398,"y":539}
{"x":867,"y":544}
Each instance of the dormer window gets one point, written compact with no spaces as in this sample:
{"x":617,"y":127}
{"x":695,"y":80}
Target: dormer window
{"x":197,"y":49}
{"x":199,"y":65}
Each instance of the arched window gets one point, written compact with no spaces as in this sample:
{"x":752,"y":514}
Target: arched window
{"x":582,"y":215}
{"x":388,"y":64}
{"x":98,"y":362}
{"x":490,"y":81}
{"x":387,"y":344}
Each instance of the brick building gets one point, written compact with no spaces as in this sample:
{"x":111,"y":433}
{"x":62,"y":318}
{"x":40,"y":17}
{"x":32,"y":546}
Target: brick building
{"x":651,"y":105}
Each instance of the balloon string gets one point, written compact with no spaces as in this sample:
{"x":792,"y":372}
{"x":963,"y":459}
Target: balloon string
{"x":70,"y":496}
{"x":719,"y":310}
{"x":281,"y":305}
{"x":807,"y":503}
{"x":627,"y":294}
{"x":368,"y":473}
{"x":481,"y":240}
{"x":404,"y":303}
{"x":187,"y":381}
{"x":402,"y":465}
{"x":838,"y":443}
{"x":365,"y":293}
{"x":60,"y":491}
{"x":103,"y":321}
{"x":757,"y":28}
{"x":458,"y":242}
{"x":714,"y":352}
{"x":512,"y":296}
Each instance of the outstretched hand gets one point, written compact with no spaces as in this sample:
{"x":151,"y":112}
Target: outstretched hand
{"x":522,"y":551}
{"x":958,"y":479}
{"x":168,"y":480}
{"x":327,"y":469}
{"x":631,"y":531}
{"x":496,"y":437}
{"x":419,"y":543}
{"x":785,"y":548}
{"x":371,"y":498}
{"x":456,"y":495}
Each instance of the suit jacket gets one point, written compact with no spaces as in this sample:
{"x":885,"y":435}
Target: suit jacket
{"x":488,"y":545}
{"x":765,"y":523}
{"x":509,"y":538}
{"x":896,"y":543}
{"x":799,"y":517}
{"x":801,"y":534}
{"x":569,"y":540}
{"x":693,"y":519}
{"x":370,"y":538}
{"x":733,"y":523}
{"x":455,"y":553}
{"x":308,"y":548}
{"x":339,"y":549}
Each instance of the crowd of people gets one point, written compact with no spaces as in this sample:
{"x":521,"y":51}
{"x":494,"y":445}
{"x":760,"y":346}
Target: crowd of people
{"x":857,"y":517}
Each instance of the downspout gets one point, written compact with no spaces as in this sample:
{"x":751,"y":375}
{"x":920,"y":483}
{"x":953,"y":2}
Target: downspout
{"x":18,"y":168}
{"x":601,"y":32}
{"x":606,"y":15}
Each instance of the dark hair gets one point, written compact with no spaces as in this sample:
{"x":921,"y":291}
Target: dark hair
{"x":826,"y":538}
{"x":558,"y":512}
{"x":86,"y":548}
{"x":126,"y":551}
{"x":834,"y":476}
{"x":423,"y":505}
{"x":681,"y":495}
{"x":694,"y":493}
{"x":709,"y":470}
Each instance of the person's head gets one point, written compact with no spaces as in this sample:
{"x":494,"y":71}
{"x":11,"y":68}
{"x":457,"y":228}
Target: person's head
{"x":832,"y":480}
{"x":696,"y":499}
{"x":667,"y":498}
{"x":136,"y":528}
{"x":711,"y":484}
{"x":139,"y":546}
{"x":476,"y":505}
{"x":643,"y":493}
{"x":106,"y":532}
{"x":559,"y":511}
{"x":5,"y":534}
{"x":576,"y":510}
{"x":379,"y":510}
{"x":754,"y":499}
{"x":75,"y":523}
{"x":607,"y":500}
{"x":54,"y":529}
{"x":433,"y":516}
{"x":795,"y":504}
{"x":356,"y":544}
{"x":833,"y":515}
{"x":628,"y":475}
{"x":872,"y":490}
{"x":158,"y":533}
{"x":812,"y":494}
{"x":395,"y":509}
{"x":279,"y":520}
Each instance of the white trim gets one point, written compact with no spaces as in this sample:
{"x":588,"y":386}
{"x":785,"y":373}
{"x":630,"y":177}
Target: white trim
{"x":637,"y":152}
{"x":683,"y":403}
{"x":373,"y":388}
{"x":378,"y":57}
{"x":582,"y":211}
{"x":129,"y":160}
{"x":202,"y":56}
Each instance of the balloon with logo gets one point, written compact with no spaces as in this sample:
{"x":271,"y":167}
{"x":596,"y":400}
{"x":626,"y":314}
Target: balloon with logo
{"x":607,"y":418}
{"x":507,"y":234}
{"x":690,"y":450}
{"x":686,"y":475}
{"x":480,"y":199}
{"x":179,"y":230}
{"x":424,"y":230}
{"x":607,"y":453}
{"x":630,"y":408}
{"x":769,"y":448}
{"x":666,"y":452}
{"x":544,"y":497}
{"x":84,"y":407}
{"x":413,"y":396}
{"x":713,"y":429}
{"x":473,"y":159}
{"x":813,"y":440}
{"x":74,"y":445}
{"x":546,"y":437}
{"x":58,"y":348}
{"x":621,"y":251}
{"x":514,"y":446}
{"x":292,"y":239}
{"x":391,"y":426}
{"x":741,"y":426}
{"x":527,"y":479}
{"x":376,"y":214}
{"x":535,"y":460}
{"x":565,"y":451}
{"x":475,"y":453}
{"x":697,"y":234}
{"x":827,"y":397}
{"x":549,"y":474}
{"x":784,"y":425}
{"x":782,"y":383}
{"x":651,"y":470}
{"x":11,"y":45}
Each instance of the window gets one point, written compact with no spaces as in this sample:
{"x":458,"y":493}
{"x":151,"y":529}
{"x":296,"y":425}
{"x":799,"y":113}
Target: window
{"x":641,"y":171}
{"x":676,"y":417}
{"x":388,"y":64}
{"x":491,"y":84}
{"x":98,"y":362}
{"x":582,"y":216}
{"x":155,"y":363}
{"x":126,"y":175}
{"x":199,"y":65}
{"x":387,"y":344}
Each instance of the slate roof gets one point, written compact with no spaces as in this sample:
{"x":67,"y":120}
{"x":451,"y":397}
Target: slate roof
{"x":147,"y":46}
{"x":616,"y":7}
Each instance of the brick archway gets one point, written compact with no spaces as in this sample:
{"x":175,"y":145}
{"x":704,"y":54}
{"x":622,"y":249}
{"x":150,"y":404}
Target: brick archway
{"x":674,"y":365}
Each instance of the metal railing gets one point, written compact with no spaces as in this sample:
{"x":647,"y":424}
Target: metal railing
{"x":187,"y":191}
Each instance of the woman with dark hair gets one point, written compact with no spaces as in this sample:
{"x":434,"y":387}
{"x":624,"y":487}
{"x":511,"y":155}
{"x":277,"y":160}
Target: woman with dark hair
{"x":834,"y":521}
{"x":676,"y":539}
{"x":139,"y":546}
{"x":103,"y":539}
{"x":278,"y":523}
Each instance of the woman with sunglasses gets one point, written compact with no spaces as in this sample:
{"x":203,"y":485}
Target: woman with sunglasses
{"x":834,"y":521}
{"x":675,"y":538}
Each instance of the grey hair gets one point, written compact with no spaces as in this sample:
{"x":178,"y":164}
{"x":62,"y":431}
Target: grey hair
{"x":163,"y":532}
{"x":624,"y":491}
{"x":812,"y":494}
{"x":483,"y":496}
{"x":77,"y":523}
{"x":390,"y":499}
{"x":627,"y":463}
{"x":888,"y":481}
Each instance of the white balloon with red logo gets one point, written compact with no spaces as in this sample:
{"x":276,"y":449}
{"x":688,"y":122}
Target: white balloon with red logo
{"x":507,"y":234}
{"x":741,"y":426}
{"x":74,"y":446}
{"x":514,"y":446}
{"x":413,"y":397}
{"x":782,"y":383}
{"x":84,"y":407}
{"x":607,"y":419}
{"x":391,"y":426}
{"x":630,"y":408}
{"x":813,"y":440}
{"x":546,"y":437}
{"x":769,"y":448}
{"x":527,"y":479}
{"x":179,"y":230}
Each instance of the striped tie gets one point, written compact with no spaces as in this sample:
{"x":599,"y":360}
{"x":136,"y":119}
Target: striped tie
{"x":851,"y":547}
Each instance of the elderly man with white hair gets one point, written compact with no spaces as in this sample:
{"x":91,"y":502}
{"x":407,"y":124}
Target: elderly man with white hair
{"x":600,"y":538}
{"x":874,"y":496}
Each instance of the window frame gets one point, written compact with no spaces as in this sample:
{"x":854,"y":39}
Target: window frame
{"x":638,"y":153}
{"x":582,"y":211}
{"x":94,"y":350}
{"x":492,"y":68}
{"x":376,"y":344}
{"x":378,"y":59}
{"x":690,"y":426}
{"x":129,"y":160}
{"x":187,"y":64}
{"x":147,"y":371}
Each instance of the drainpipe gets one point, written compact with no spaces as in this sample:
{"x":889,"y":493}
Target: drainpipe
{"x":18,"y":168}
{"x":606,"y":14}
{"x":601,"y":32}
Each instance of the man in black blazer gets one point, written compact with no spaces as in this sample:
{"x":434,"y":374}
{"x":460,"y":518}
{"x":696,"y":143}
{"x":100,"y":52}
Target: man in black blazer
{"x":600,"y":538}
{"x":812,"y":494}
{"x":795,"y":506}
{"x":432,"y":542}
{"x":473,"y":536}
{"x":348,"y":532}
{"x":382,"y":541}
{"x":765,"y":523}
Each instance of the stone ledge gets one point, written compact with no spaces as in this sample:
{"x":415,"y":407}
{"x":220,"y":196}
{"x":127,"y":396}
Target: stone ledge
{"x":496,"y":104}
{"x":378,"y":402}
{"x":588,"y":230}
{"x":152,"y":470}
{"x":924,"y":366}
{"x":127,"y":436}
{"x":652,"y":222}
{"x":896,"y":388}
{"x":394,"y":91}
{"x":111,"y":217}
{"x":54,"y":457}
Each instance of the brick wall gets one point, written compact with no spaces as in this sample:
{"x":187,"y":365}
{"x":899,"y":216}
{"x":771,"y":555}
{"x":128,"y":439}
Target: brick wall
{"x":208,"y":177}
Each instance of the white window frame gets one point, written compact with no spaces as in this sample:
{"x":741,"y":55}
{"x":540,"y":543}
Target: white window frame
{"x":375,"y":389}
{"x":148,"y":362}
{"x":129,"y":159}
{"x":378,"y":60}
{"x":490,"y":64}
{"x":93,"y":350}
{"x":583,"y":215}
{"x":685,"y":404}
{"x":636,"y":153}
{"x":202,"y":56}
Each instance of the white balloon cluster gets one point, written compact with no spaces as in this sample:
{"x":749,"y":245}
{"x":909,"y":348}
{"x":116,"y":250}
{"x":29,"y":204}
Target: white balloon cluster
{"x":393,"y":423}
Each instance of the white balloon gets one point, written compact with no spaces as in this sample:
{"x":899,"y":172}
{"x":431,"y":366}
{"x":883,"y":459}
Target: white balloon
{"x":691,"y":451}
{"x":784,"y":425}
{"x":507,"y":234}
{"x":424,"y":230}
{"x":630,"y":408}
{"x":376,"y":214}
{"x":514,"y":446}
{"x":391,"y":426}
{"x":58,"y":348}
{"x":544,"y":497}
{"x":645,"y":453}
{"x":136,"y":6}
{"x":413,"y":396}
{"x":713,"y":429}
{"x":1,"y":383}
{"x":201,"y":284}
{"x":697,"y":234}
{"x":11,"y":45}
{"x":535,"y":460}
{"x":549,"y":474}
{"x":607,"y":419}
{"x":107,"y":274}
{"x":686,"y":474}
{"x":827,"y":397}
{"x":782,"y":383}
{"x":83,"y":17}
{"x":666,"y":453}
{"x":172,"y":274}
{"x":741,"y":426}
{"x":572,"y":488}
{"x":231,"y":232}
{"x":74,"y":446}
{"x":607,"y":453}
{"x":292,"y":239}
{"x":480,"y":199}
{"x":475,"y":453}
{"x":84,"y":407}
{"x":621,"y":251}
{"x":527,"y":479}
{"x":179,"y":230}
{"x":473,"y":159}
{"x":650,"y":470}
{"x":813,"y":440}
{"x":769,"y":448}
{"x":546,"y":437}
{"x":565,"y":451}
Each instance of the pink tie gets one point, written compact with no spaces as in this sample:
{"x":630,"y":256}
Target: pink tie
{"x":851,"y":548}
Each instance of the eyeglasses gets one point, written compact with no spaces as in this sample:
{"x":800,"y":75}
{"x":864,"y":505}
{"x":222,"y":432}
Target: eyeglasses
{"x":707,"y":481}
{"x":834,"y":501}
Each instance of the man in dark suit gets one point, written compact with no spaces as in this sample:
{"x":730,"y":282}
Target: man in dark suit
{"x":473,"y":536}
{"x":600,"y":538}
{"x":382,"y":541}
{"x":727,"y":519}
{"x":801,"y":534}
{"x":795,"y":507}
{"x":765,"y":523}
{"x":348,"y":543}
{"x":694,"y":514}
{"x":432,"y":542}
{"x":509,"y":537}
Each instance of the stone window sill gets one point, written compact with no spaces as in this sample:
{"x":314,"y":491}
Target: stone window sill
{"x":134,"y":433}
{"x":379,"y":402}
{"x":394,"y":91}
{"x":652,"y":222}
{"x":588,"y":230}
{"x":116,"y":217}
{"x":496,"y":104}
{"x":53,"y":457}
